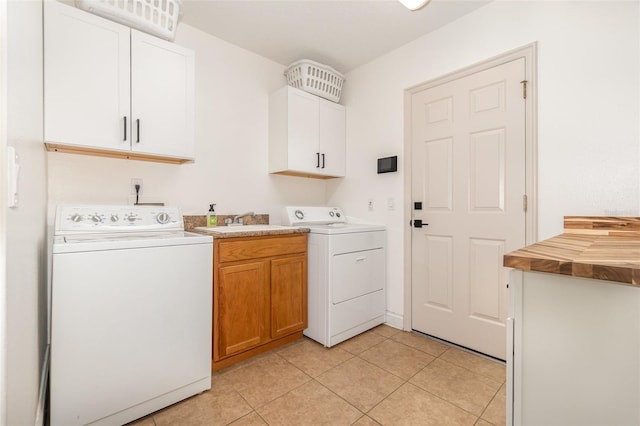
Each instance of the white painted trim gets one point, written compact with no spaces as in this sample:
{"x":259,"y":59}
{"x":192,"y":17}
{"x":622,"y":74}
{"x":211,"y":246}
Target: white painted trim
{"x":3,"y":213}
{"x":42,"y":398}
{"x":529,"y":53}
{"x":407,"y":212}
{"x":514,"y":373}
{"x":394,"y":320}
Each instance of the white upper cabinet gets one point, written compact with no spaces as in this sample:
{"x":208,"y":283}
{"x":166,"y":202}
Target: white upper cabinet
{"x":112,"y":90}
{"x":162,"y":88}
{"x":86,"y":79}
{"x":307,"y":135}
{"x":332,"y":137}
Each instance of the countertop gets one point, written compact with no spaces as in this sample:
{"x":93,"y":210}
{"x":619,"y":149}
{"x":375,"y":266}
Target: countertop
{"x":604,"y":248}
{"x":198,"y":224}
{"x":217,"y":234}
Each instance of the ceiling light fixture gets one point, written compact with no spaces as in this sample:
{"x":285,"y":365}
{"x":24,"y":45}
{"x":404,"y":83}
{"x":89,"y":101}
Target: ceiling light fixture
{"x":414,"y":4}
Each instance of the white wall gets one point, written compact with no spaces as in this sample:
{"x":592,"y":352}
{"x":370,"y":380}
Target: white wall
{"x":588,"y":112}
{"x":25,"y":231}
{"x":231,"y":128}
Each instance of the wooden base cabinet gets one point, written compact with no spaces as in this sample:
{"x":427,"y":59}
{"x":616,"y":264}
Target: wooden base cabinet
{"x":288,"y":295}
{"x":241,"y":325}
{"x":259,"y":295}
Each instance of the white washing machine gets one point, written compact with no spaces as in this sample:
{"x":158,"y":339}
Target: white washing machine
{"x":347,"y":273}
{"x":131,"y":300}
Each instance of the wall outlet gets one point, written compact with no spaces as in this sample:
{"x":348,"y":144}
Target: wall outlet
{"x":370,"y":205}
{"x":134,"y":182}
{"x":391,"y":203}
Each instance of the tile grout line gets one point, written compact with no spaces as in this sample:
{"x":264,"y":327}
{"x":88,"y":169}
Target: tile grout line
{"x":490,"y":401}
{"x":408,"y":381}
{"x":314,"y":379}
{"x":384,"y":339}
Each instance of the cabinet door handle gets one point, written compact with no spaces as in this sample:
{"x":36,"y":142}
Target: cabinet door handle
{"x":138,"y":130}
{"x":323,"y":161}
{"x":317,"y":160}
{"x":125,"y":128}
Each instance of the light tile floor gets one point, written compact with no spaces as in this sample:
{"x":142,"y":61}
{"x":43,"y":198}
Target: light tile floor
{"x":383,"y":376}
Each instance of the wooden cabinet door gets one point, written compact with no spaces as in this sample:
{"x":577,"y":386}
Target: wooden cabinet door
{"x":86,"y":79}
{"x":162,"y":97}
{"x":288,"y":295}
{"x":332,"y":136}
{"x":242,"y":307}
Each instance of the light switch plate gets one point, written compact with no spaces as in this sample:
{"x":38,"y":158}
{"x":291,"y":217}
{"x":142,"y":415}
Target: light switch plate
{"x":13,"y":170}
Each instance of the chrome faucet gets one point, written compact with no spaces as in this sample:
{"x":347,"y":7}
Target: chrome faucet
{"x":238,"y":219}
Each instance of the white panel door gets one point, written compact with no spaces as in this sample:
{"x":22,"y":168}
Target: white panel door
{"x":468,"y":170}
{"x":162,"y":103}
{"x":86,"y":79}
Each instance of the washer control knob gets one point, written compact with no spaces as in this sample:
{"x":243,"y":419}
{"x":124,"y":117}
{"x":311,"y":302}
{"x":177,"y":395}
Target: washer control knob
{"x":114,"y":217}
{"x":132,"y":217}
{"x":299,"y":214}
{"x":96,"y":218}
{"x":76,"y":217}
{"x":337,"y":214}
{"x":331,"y":213}
{"x":162,"y":218}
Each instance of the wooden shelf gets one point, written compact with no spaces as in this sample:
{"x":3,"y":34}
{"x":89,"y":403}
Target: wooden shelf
{"x":70,"y":149}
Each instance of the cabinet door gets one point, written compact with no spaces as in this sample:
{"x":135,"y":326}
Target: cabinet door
{"x":303,"y":127}
{"x":242,"y":307}
{"x":288,"y":295}
{"x":332,"y":134}
{"x":86,"y":79}
{"x":162,"y":97}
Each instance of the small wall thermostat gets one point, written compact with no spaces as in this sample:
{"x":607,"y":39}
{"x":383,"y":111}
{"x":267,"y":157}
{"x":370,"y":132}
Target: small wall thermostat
{"x":388,"y":164}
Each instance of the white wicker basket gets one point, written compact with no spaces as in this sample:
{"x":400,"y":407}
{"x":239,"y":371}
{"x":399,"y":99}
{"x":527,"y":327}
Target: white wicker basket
{"x":156,"y":17}
{"x":312,"y":77}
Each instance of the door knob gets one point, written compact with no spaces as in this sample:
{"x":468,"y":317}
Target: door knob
{"x":417,"y":223}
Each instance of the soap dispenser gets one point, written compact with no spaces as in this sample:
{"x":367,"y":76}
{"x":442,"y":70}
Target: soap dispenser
{"x":212,"y":217}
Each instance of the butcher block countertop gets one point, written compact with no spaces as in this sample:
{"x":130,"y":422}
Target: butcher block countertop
{"x":604,"y":248}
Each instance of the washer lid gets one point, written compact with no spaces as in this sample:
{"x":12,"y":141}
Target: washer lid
{"x":343,"y":228}
{"x":119,"y":241}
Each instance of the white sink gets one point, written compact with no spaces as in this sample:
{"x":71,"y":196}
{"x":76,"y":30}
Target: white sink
{"x":245,"y":228}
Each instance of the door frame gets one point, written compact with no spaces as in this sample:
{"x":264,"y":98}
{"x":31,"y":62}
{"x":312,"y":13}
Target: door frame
{"x":529,"y":53}
{"x":3,"y":211}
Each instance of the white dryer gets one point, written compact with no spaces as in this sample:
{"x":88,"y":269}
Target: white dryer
{"x":347,"y":273}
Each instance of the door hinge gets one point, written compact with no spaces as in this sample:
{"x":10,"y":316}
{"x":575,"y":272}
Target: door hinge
{"x":524,"y":88}
{"x":525,"y":202}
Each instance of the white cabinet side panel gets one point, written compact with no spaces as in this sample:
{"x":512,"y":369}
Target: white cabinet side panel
{"x":580,"y":351}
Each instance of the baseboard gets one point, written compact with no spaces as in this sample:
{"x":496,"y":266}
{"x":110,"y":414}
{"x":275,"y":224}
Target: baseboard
{"x":42,"y":398}
{"x":394,"y":320}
